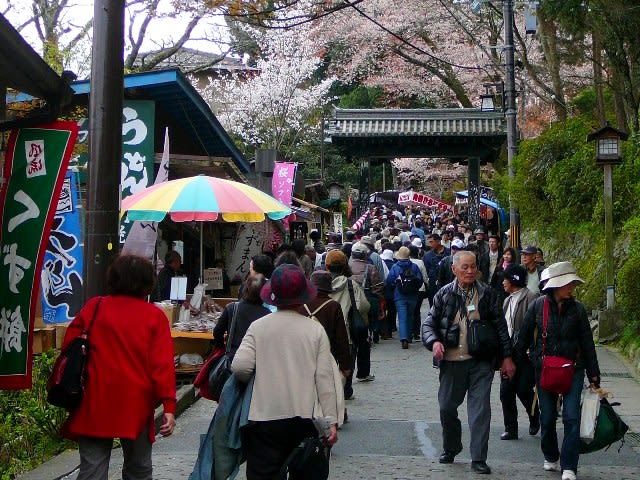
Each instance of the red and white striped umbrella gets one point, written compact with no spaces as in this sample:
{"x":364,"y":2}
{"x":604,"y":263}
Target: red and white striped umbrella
{"x":360,"y":222}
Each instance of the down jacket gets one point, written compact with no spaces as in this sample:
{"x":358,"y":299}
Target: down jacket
{"x":447,"y":302}
{"x":568,"y":334}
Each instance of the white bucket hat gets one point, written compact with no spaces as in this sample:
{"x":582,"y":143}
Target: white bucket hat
{"x":417,"y":242}
{"x":387,"y":254}
{"x":559,"y":275}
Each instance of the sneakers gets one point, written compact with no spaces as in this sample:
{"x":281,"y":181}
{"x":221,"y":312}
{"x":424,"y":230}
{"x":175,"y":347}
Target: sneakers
{"x":551,"y":466}
{"x":568,"y":475}
{"x":368,"y":378}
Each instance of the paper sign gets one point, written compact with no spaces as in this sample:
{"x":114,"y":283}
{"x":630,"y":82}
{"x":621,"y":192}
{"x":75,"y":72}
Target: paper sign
{"x":213,"y":278}
{"x":178,"y":288}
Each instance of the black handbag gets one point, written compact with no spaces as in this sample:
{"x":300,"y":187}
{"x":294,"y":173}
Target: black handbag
{"x":358,"y":328}
{"x":310,"y":460}
{"x":65,"y":387}
{"x":221,"y":371}
{"x":482,"y":339}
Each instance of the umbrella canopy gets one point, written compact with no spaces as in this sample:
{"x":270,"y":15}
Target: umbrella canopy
{"x":203,"y":198}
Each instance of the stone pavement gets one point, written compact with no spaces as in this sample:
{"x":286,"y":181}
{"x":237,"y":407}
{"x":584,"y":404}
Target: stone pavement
{"x":394,"y":431}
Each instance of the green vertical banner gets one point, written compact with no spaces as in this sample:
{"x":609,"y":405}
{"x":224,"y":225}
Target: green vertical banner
{"x":136,"y":172}
{"x":35,"y":165}
{"x":138,"y":151}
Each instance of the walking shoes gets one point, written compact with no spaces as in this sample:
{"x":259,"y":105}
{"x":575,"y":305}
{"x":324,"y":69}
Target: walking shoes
{"x":568,"y":475}
{"x":481,"y":467}
{"x":551,"y":466}
{"x":447,"y":456}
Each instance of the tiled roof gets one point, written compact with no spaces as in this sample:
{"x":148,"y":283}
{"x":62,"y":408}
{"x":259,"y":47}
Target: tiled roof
{"x":451,"y":122}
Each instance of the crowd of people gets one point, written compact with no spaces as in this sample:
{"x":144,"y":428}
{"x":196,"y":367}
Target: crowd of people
{"x":303,"y":330}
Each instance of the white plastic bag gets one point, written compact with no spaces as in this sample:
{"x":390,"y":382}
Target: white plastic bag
{"x":589,"y":414}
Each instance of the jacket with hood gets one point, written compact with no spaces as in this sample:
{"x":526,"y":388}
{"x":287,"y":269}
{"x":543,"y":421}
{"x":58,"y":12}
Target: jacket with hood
{"x":341,"y":295}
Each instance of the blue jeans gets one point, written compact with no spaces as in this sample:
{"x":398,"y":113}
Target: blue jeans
{"x":570,"y":419}
{"x":405,"y":306}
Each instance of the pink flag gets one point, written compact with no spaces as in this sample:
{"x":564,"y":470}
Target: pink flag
{"x":284,"y":175}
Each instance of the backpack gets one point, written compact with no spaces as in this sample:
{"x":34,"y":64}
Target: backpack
{"x":408,"y":282}
{"x":313,"y":314}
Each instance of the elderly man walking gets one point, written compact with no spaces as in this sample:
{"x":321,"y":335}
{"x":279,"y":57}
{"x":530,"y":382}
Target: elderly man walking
{"x":450,"y":332}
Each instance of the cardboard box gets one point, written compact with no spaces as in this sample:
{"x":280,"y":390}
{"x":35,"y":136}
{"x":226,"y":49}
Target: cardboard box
{"x":44,"y":339}
{"x":61,"y":330}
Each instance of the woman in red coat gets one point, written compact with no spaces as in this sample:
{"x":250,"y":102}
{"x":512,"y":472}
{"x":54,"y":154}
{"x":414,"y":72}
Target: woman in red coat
{"x":130,"y":371}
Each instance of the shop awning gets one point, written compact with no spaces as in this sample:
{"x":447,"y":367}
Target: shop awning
{"x":310,"y":205}
{"x":483,"y":200}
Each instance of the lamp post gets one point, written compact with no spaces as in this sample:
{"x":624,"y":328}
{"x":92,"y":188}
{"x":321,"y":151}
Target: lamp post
{"x":608,"y":154}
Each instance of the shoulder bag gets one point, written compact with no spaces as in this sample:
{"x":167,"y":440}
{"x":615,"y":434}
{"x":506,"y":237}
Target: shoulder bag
{"x":557,"y":372}
{"x":482,"y":337}
{"x":65,"y":387}
{"x":221,"y":370}
{"x":358,"y":328}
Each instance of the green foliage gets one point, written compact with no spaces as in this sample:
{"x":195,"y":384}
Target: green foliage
{"x":29,"y":425}
{"x":628,"y":280}
{"x":361,"y":97}
{"x":553,"y":171}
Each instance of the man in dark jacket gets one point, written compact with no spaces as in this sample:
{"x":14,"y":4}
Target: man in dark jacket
{"x":444,"y":332}
{"x":172,"y":264}
{"x":521,"y":386}
{"x":431,"y":261}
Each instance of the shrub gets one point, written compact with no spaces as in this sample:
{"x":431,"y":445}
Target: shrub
{"x":29,"y":425}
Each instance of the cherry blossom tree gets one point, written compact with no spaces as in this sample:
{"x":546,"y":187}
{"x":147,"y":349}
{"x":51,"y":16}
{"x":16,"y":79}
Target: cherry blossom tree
{"x":279,"y":106}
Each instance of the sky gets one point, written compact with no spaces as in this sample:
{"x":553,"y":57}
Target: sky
{"x":160,"y":31}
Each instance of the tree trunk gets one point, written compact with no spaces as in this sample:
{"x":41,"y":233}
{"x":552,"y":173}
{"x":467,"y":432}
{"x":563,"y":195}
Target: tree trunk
{"x":598,"y":84}
{"x":549,"y":43}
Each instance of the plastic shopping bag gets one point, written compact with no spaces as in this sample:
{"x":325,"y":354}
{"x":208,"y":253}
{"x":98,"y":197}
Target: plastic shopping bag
{"x":589,"y":414}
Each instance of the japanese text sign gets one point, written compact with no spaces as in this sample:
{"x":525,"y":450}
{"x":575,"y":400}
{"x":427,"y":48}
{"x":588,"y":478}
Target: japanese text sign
{"x":421,"y":199}
{"x":34,"y":170}
{"x":284,"y":176}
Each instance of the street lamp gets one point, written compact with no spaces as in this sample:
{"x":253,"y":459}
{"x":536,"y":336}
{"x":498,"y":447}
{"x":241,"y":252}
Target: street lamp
{"x":607,"y":154}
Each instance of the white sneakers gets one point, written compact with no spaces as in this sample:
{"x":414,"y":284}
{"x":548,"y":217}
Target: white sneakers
{"x":555,"y":466}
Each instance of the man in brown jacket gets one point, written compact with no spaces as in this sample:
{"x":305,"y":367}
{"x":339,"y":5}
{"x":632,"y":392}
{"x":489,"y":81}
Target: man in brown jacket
{"x":521,"y":385}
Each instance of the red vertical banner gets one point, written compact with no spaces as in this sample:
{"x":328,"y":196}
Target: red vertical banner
{"x":34,"y":170}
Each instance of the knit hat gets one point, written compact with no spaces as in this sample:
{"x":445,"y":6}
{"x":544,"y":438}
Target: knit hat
{"x":516,"y":274}
{"x":321,"y":279}
{"x":288,"y":286}
{"x":335,"y":257}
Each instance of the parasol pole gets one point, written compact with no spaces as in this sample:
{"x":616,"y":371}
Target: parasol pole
{"x":201,"y":252}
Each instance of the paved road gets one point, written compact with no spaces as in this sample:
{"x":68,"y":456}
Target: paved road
{"x":394,"y":432}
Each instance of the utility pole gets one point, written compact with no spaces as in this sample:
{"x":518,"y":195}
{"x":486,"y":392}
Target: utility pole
{"x":105,"y":144}
{"x":510,"y":114}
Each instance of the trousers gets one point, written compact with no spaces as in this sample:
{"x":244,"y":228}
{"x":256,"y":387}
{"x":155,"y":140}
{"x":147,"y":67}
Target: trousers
{"x":95,"y":454}
{"x":470,"y":378}
{"x":570,"y":452}
{"x":521,"y":386}
{"x":268,"y":444}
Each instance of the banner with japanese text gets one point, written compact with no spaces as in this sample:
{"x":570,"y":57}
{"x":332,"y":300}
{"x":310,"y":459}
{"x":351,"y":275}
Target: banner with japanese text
{"x":138,"y":151}
{"x":62,"y":266}
{"x":34,"y":170}
{"x":414,"y":198}
{"x":284,"y":176}
{"x":249,"y":241}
